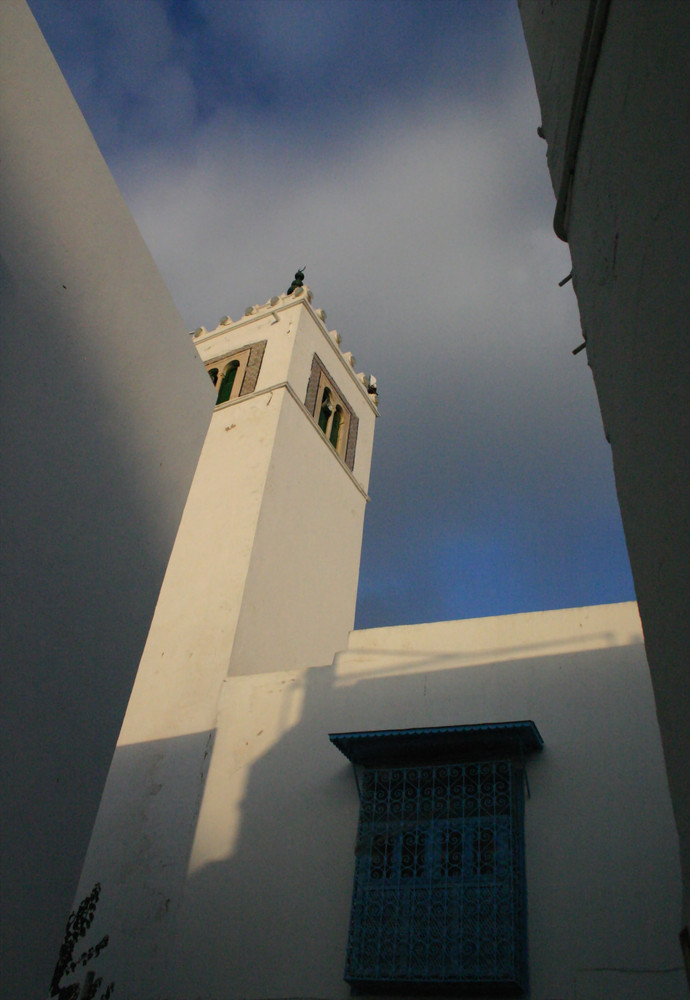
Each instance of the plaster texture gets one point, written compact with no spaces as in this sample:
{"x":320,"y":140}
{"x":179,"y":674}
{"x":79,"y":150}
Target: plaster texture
{"x":296,"y":331}
{"x":105,"y":407}
{"x":262,"y":579}
{"x":627,"y":222}
{"x":261,"y":900}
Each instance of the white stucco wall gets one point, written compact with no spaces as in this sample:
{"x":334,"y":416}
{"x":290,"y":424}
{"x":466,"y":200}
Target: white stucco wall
{"x":262,"y":578}
{"x":628,"y":219}
{"x":299,"y":599}
{"x":315,"y":338}
{"x":105,"y":407}
{"x":263,"y":904}
{"x":295,"y":331}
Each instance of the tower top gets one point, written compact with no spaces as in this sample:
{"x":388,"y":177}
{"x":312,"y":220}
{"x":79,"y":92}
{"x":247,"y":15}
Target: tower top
{"x":298,"y":281}
{"x":299,"y":294}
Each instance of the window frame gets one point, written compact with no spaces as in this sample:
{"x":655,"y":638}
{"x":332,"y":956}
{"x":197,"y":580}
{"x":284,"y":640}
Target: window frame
{"x":248,"y":359}
{"x":327,"y":393}
{"x":413,"y":927}
{"x":232,"y":371}
{"x":320,"y":386}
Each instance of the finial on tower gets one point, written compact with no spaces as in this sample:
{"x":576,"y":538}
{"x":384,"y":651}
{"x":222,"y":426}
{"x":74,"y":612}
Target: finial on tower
{"x":298,"y":281}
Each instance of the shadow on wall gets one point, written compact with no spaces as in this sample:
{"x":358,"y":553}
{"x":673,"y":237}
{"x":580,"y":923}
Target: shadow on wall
{"x":270,"y":916}
{"x":89,"y":514}
{"x":144,"y":834}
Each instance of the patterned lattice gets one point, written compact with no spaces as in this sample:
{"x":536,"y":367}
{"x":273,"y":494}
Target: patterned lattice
{"x":438,"y":894}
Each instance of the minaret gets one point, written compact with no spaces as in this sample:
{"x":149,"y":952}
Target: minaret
{"x":262,"y":579}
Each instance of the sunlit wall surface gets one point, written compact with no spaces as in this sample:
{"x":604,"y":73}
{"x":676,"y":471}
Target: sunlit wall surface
{"x":227,"y":855}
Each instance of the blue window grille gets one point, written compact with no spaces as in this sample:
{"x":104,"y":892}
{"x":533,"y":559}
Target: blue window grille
{"x":439,"y":890}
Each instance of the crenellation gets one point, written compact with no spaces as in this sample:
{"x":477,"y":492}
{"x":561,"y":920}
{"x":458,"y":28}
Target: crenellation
{"x":271,"y":310}
{"x":270,"y":306}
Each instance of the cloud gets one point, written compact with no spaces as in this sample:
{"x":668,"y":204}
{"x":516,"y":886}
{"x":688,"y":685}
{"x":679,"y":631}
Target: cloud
{"x":421,"y":205}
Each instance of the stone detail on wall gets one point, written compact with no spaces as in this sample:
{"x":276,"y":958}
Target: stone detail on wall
{"x":251,"y":374}
{"x":351,"y":442}
{"x":250,"y":357}
{"x":316,"y":377}
{"x":313,"y":384}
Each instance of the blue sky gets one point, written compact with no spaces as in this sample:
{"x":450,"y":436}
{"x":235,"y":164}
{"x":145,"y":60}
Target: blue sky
{"x":392,"y":148}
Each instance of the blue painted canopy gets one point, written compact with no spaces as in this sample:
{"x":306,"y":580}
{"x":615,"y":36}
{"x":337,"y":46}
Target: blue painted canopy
{"x":415,"y":746}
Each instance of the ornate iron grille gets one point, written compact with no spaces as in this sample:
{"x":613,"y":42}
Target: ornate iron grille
{"x":439,"y":879}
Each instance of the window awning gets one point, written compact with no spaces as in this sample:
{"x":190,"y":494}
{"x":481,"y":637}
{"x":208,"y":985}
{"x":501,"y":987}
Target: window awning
{"x":438,"y":743}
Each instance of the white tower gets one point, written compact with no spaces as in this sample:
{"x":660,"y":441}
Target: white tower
{"x":262,"y":579}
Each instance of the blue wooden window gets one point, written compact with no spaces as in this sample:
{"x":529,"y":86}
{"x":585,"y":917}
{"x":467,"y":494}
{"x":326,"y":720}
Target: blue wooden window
{"x":439,"y":890}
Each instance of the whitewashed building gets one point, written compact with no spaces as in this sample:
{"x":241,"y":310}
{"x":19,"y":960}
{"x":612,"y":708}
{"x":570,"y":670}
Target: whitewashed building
{"x":613,"y":82}
{"x":474,"y":808}
{"x":104,"y":412}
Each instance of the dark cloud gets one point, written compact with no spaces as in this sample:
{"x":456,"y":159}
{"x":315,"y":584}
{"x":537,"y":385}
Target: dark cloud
{"x":392,"y":148}
{"x":317,"y":64}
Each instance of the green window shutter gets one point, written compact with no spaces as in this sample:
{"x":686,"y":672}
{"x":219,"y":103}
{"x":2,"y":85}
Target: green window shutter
{"x":228,"y":381}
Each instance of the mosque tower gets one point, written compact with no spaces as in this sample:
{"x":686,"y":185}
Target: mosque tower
{"x":292,"y":812}
{"x":262,"y":579}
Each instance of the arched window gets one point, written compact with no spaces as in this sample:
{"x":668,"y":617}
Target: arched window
{"x":335,"y":427}
{"x":326,"y":409}
{"x":332,"y":414}
{"x":236,"y":373}
{"x":227,"y":382}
